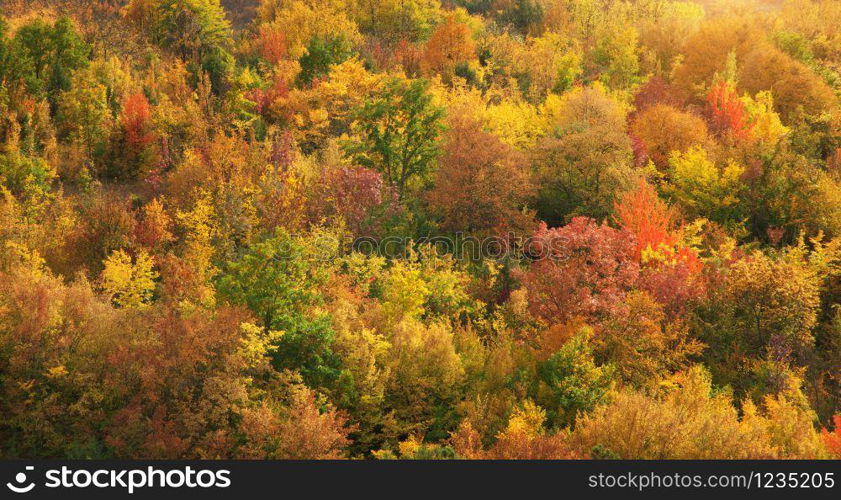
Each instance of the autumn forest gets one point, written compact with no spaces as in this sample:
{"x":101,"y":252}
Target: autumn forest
{"x":420,"y":229}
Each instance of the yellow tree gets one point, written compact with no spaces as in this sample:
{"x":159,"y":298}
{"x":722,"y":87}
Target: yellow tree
{"x":129,"y":283}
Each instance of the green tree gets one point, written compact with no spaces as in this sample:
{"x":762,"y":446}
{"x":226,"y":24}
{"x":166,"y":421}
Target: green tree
{"x":192,"y":27}
{"x":321,"y":54}
{"x":278,"y":284}
{"x":26,"y":177}
{"x":54,"y":52}
{"x":196,"y":30}
{"x":82,"y":112}
{"x":524,"y":15}
{"x":570,"y":382}
{"x":398,"y":132}
{"x":15,"y":68}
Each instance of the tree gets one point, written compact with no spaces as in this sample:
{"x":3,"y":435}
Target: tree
{"x":707,"y":52}
{"x":54,"y":53}
{"x":398,"y":133}
{"x":617,"y":55}
{"x":727,"y":112}
{"x":688,"y":420}
{"x":585,"y":160}
{"x":275,"y":281}
{"x":449,"y":45}
{"x":135,"y":117}
{"x":91,"y":380}
{"x":570,"y":383}
{"x":426,"y":374}
{"x":765,"y":124}
{"x":192,"y":28}
{"x":703,"y":189}
{"x":83,"y":111}
{"x":129,"y":284}
{"x":17,"y":72}
{"x":664,"y":130}
{"x":481,"y":184}
{"x":271,"y":44}
{"x":27,"y":178}
{"x":549,"y":63}
{"x":642,"y":345}
{"x":355,"y":196}
{"x":793,"y":84}
{"x":524,"y":438}
{"x":302,"y":21}
{"x":665,"y":30}
{"x":832,"y":440}
{"x":772,"y":303}
{"x":656,"y":91}
{"x":766,"y":310}
{"x":649,"y":218}
{"x":134,"y":146}
{"x":392,"y":20}
{"x":582,"y":269}
{"x":153,"y":229}
{"x":105,"y":224}
{"x":195,"y":30}
{"x":321,"y":54}
{"x":301,"y":431}
{"x":525,"y":15}
{"x":424,"y":285}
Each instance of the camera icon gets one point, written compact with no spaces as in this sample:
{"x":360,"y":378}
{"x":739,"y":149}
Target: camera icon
{"x":20,"y":478}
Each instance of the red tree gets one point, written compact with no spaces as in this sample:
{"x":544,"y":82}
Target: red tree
{"x":135,"y":118}
{"x":581,"y":269}
{"x":833,"y":439}
{"x":670,"y":278}
{"x":656,"y":91}
{"x":353,"y":194}
{"x":272,"y":45}
{"x":727,"y":112}
{"x":654,"y":223}
{"x":643,"y":213}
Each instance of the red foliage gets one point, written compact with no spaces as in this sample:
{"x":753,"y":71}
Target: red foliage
{"x":643,"y":213}
{"x":152,"y":230}
{"x":727,"y":112}
{"x":264,"y":98}
{"x":159,"y":419}
{"x":272,"y":44}
{"x":639,"y":150}
{"x":283,"y":153}
{"x":409,"y":57}
{"x":581,"y":269}
{"x":833,"y":439}
{"x":656,"y":91}
{"x":135,"y":118}
{"x":379,"y":54}
{"x":306,"y":432}
{"x":352,"y":194}
{"x":671,"y":280}
{"x":675,"y":287}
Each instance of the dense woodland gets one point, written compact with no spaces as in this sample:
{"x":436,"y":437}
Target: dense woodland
{"x":654,"y":187}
